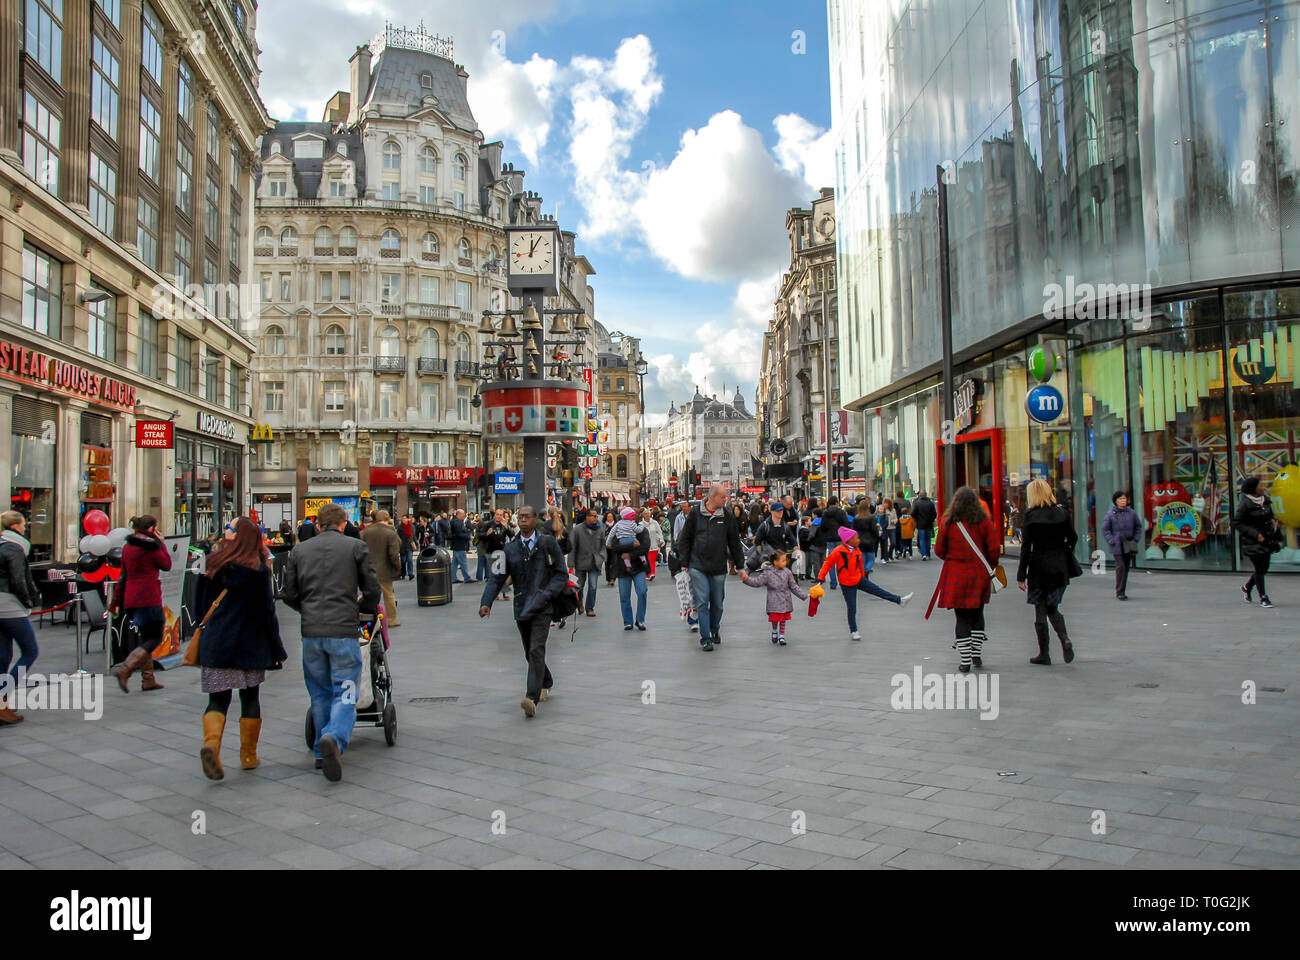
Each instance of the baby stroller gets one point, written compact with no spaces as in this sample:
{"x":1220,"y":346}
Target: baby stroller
{"x":375,"y":688}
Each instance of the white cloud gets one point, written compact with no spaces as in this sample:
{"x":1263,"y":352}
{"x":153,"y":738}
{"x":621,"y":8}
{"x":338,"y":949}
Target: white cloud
{"x":515,"y":100}
{"x":805,"y":150}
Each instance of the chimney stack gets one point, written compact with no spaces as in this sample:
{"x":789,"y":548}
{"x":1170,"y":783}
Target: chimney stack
{"x":360,"y":82}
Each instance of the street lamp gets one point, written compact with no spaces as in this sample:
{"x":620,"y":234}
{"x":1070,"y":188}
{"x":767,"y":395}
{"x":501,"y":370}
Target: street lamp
{"x":642,"y":368}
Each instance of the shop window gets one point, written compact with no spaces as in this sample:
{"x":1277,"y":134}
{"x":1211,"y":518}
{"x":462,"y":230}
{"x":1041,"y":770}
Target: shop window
{"x":32,"y":488}
{"x":97,"y":485}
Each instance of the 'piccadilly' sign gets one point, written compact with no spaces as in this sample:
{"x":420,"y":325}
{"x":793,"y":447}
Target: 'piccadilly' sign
{"x":24,"y":364}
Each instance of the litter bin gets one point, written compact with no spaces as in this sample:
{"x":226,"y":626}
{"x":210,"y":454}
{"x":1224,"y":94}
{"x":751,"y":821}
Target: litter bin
{"x":433,"y":577}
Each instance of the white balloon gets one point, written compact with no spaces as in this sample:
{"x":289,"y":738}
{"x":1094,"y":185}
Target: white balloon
{"x":84,"y":545}
{"x":98,"y":545}
{"x":117,"y":537}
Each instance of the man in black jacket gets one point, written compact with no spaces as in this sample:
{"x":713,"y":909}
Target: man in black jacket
{"x":535,"y":563}
{"x":925,"y":514}
{"x":710,"y":536}
{"x":774,"y":533}
{"x":321,"y":582}
{"x":306,"y":529}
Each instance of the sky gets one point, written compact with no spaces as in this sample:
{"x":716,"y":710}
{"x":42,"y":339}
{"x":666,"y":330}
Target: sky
{"x":671,"y":135}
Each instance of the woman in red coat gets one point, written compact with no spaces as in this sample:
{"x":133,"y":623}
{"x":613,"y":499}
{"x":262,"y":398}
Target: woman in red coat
{"x":139,"y":593}
{"x":964,"y":582}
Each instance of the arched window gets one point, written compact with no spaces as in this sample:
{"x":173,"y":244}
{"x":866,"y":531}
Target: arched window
{"x":288,"y":237}
{"x":390,"y":240}
{"x":458,"y":167}
{"x":324,"y":238}
{"x":462,"y":248}
{"x":429,"y":246}
{"x":429,"y":345}
{"x":348,"y":238}
{"x":392,"y":156}
{"x":462,"y":348}
{"x":275,"y":341}
{"x":336,"y":342}
{"x":493,"y":253}
{"x":622,"y":465}
{"x":264,"y":237}
{"x":390,"y":344}
{"x":428,"y":160}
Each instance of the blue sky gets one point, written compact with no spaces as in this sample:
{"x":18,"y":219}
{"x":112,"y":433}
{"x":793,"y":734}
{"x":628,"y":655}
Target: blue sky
{"x":594,"y":100}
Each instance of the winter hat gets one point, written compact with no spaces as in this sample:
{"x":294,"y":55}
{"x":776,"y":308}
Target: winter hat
{"x":627,"y":513}
{"x":1250,"y":486}
{"x":847,"y":534}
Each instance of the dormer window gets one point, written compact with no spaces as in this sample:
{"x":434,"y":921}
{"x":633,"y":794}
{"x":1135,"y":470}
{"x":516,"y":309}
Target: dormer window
{"x":426,"y":81}
{"x":275,"y":148}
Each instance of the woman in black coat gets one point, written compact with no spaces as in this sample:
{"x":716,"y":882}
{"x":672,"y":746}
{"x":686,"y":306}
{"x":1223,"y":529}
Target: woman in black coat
{"x":239,"y":644}
{"x":1046,"y":565}
{"x":1260,"y":537}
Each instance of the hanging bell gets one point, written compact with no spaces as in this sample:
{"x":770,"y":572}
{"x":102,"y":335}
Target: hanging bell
{"x":532,"y":349}
{"x":486,"y":326}
{"x":508,"y":328}
{"x":531,"y":320}
{"x":581,"y":323}
{"x":532,"y":368}
{"x":560,"y":326}
{"x":489,"y":355}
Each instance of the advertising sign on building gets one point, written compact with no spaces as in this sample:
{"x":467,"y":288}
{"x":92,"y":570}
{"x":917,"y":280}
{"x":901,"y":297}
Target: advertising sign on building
{"x":839,"y":428}
{"x":508,"y":482}
{"x":154,"y":434}
{"x":215,"y":426}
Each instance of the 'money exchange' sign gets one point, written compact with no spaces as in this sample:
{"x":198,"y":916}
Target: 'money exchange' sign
{"x":27,"y":365}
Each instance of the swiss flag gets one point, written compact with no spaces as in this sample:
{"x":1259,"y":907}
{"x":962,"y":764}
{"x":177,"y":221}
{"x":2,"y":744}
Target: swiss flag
{"x":514,"y":419}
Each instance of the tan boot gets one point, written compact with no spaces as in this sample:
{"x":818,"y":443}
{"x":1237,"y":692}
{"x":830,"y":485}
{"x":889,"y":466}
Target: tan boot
{"x":128,"y":666}
{"x":214,"y":725}
{"x":147,"y":682}
{"x":7,"y":716}
{"x":249,"y":730}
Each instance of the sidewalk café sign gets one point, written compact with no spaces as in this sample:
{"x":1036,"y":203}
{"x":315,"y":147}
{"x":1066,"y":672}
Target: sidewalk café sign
{"x":215,"y":426}
{"x":508,"y":482}
{"x":154,"y":434}
{"x":31,"y":366}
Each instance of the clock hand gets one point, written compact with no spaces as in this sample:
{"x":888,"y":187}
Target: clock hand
{"x":534,"y":246}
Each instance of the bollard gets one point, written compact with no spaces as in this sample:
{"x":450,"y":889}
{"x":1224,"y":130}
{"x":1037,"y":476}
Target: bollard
{"x":76,"y":601}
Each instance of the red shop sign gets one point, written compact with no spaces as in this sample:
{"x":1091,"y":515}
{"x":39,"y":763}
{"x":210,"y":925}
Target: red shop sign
{"x":31,"y":366}
{"x":153,"y":434}
{"x":397,"y":476}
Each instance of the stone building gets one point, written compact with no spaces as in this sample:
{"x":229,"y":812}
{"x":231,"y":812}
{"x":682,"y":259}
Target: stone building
{"x":706,"y":434}
{"x":127,"y":132}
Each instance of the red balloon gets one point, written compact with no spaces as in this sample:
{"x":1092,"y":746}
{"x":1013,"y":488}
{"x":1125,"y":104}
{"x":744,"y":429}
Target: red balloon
{"x":96,"y":576}
{"x":96,"y":523}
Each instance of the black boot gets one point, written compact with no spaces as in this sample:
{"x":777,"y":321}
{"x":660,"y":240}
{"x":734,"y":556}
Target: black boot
{"x":1043,"y":658}
{"x":1067,"y":648}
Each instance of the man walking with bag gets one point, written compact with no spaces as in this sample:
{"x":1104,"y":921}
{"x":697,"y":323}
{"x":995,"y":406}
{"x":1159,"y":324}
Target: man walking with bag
{"x":536,"y":564}
{"x":321,"y":582}
{"x":710,"y":537}
{"x":385,"y":548}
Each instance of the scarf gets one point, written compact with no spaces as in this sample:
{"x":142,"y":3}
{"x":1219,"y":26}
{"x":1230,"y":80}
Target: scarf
{"x":1257,"y":501}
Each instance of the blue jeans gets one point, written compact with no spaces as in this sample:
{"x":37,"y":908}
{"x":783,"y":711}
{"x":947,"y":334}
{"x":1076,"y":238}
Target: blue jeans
{"x":923,"y":537}
{"x":17,"y":630}
{"x":484,"y":568}
{"x":625,"y":585}
{"x":709,"y":591}
{"x":460,"y":562}
{"x":332,"y":668}
{"x":588,"y":586}
{"x":851,"y":598}
{"x":408,"y":564}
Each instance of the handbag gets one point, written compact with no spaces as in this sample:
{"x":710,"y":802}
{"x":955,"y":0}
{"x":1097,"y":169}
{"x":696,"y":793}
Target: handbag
{"x":191,"y":657}
{"x":1131,"y":546}
{"x":997,"y":575}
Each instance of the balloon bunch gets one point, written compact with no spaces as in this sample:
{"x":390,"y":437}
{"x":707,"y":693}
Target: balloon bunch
{"x":101,"y":548}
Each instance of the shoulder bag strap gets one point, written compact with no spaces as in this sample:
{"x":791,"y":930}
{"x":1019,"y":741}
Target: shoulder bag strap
{"x":978,"y":552}
{"x":213,"y":609}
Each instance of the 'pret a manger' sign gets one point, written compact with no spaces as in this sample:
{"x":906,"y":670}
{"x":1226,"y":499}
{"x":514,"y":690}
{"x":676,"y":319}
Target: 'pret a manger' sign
{"x":27,"y":365}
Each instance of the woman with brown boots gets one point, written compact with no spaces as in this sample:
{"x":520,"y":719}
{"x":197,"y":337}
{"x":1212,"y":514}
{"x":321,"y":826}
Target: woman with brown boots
{"x":139,"y":594}
{"x":240,"y":642}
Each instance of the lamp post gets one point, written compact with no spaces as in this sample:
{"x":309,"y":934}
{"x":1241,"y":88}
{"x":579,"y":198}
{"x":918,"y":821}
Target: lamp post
{"x":642,"y":368}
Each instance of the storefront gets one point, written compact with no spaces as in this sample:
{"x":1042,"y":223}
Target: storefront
{"x":209,"y":470}
{"x":429,"y":490}
{"x":1177,"y":408}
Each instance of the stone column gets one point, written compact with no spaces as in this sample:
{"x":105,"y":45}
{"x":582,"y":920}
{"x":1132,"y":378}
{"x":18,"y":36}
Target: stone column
{"x":74,"y":165}
{"x":128,"y":124}
{"x":11,"y":101}
{"x":301,"y":447}
{"x":203,"y":95}
{"x":172,"y":45}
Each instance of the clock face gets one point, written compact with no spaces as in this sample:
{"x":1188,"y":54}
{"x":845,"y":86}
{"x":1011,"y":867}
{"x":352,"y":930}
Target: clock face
{"x":532,"y":254}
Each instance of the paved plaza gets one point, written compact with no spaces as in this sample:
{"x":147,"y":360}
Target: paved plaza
{"x":1141,"y":754}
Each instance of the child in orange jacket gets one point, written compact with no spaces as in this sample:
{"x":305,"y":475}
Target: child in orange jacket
{"x":847,"y":561}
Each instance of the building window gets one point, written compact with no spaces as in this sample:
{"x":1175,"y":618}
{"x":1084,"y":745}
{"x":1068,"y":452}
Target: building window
{"x":184,"y":255}
{"x":184,"y":362}
{"x":335,"y":392}
{"x":428,"y":195}
{"x":40,"y":143}
{"x":622,"y":466}
{"x":462,"y":295}
{"x":234,"y":384}
{"x":336,"y":342}
{"x":463,"y":249}
{"x":390,"y":287}
{"x":214,"y":132}
{"x":33,"y":485}
{"x":44,"y":35}
{"x":212,"y":378}
{"x":185,"y":94}
{"x":184,"y":187}
{"x":286,"y":287}
{"x":390,"y":240}
{"x":458,"y":167}
{"x":383,"y":453}
{"x":324,"y":286}
{"x":151,"y":54}
{"x":112,"y":11}
{"x":429,"y":345}
{"x":275,"y":341}
{"x":429,"y":401}
{"x":324,"y":241}
{"x":146,"y":233}
{"x":426,"y":81}
{"x":347,"y":241}
{"x":429,"y":246}
{"x":103,"y":87}
{"x":338,"y":187}
{"x":279,"y":185}
{"x":462,"y":402}
{"x":103,"y":193}
{"x":604,"y":386}
{"x":289,"y":241}
{"x":390,"y":344}
{"x":212,"y":213}
{"x":262,"y":239}
{"x":265,"y":291}
{"x":390,"y":392}
{"x":428,"y":289}
{"x":428,"y":161}
{"x":42,"y":292}
{"x":270,"y":456}
{"x":459,"y":200}
{"x":101,"y":328}
{"x":150,"y":124}
{"x":390,"y":191}
{"x":331,"y":455}
{"x":622,"y":384}
{"x":392,"y":156}
{"x":430,"y":453}
{"x":236,"y":234}
{"x":148,"y":358}
{"x":463,"y":348}
{"x":345,"y":286}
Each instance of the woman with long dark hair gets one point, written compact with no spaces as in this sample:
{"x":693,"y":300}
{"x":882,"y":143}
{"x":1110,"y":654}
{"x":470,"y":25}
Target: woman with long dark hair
{"x":139,"y":593}
{"x":1260,"y":537}
{"x":240,"y":642}
{"x":1046,"y":565}
{"x":963,"y":584}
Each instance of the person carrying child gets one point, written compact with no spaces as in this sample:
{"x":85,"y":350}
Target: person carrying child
{"x":624,"y":533}
{"x":780,"y":583}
